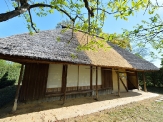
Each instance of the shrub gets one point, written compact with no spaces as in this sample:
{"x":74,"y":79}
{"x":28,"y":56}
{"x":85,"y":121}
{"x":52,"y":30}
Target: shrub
{"x":4,"y":82}
{"x":7,"y":95}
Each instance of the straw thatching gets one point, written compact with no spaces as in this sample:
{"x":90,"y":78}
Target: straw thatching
{"x":135,"y":61}
{"x":105,"y":56}
{"x":52,"y":45}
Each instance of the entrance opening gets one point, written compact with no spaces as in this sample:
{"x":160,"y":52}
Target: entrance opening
{"x":132,"y":80}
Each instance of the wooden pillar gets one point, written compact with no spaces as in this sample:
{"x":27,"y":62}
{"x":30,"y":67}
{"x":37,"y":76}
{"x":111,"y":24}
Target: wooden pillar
{"x":18,"y":88}
{"x":64,"y":81}
{"x":78,"y":79}
{"x":118,"y":83}
{"x":91,"y":77}
{"x":137,"y":79}
{"x":144,"y":80}
{"x":96,"y":83}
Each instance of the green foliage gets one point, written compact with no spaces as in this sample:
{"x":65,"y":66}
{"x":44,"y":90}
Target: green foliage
{"x":77,"y":12}
{"x":148,"y":33}
{"x":138,"y":55}
{"x":66,"y":23}
{"x":13,"y":69}
{"x":161,"y":63}
{"x":4,"y":82}
{"x":7,"y":95}
{"x":154,"y":78}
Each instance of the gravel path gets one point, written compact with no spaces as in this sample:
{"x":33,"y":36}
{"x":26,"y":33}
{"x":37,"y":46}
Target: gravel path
{"x":74,"y":110}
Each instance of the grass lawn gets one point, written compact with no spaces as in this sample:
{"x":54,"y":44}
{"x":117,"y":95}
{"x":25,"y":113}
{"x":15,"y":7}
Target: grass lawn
{"x":148,"y":110}
{"x":144,"y":111}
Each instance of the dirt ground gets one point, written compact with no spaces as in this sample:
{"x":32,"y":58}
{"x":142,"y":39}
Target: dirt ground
{"x":79,"y":109}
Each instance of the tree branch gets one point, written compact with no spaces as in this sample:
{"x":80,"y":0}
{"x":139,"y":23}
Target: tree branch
{"x":32,"y":25}
{"x":50,"y":6}
{"x":9,"y":15}
{"x":105,"y":10}
{"x":90,"y":11}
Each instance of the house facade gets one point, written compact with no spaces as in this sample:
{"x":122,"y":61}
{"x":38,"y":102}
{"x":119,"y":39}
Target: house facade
{"x":53,"y":67}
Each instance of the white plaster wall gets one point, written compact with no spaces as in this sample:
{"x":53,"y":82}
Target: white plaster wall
{"x":72,"y":75}
{"x":115,"y":82}
{"x":99,"y":82}
{"x":54,"y":76}
{"x":84,"y":75}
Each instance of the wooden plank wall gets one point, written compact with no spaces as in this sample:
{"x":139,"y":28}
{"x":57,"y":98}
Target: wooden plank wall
{"x":34,"y":82}
{"x":106,"y":75}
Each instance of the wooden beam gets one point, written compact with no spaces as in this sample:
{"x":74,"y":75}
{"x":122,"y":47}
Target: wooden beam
{"x":124,"y":84}
{"x":118,"y":83}
{"x":18,"y":88}
{"x":144,"y":80}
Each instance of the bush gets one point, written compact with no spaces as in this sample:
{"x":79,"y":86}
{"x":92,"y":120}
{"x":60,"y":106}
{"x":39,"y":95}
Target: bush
{"x":7,"y":94}
{"x":4,"y":82}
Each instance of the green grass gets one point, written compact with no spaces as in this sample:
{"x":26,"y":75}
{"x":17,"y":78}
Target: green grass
{"x":144,"y":111}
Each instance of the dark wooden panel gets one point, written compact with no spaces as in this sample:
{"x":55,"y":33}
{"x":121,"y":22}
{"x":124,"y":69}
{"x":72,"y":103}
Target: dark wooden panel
{"x":64,"y":78}
{"x":34,"y":82}
{"x":106,"y":78}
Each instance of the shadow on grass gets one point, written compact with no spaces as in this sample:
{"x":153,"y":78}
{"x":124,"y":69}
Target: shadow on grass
{"x":37,"y":106}
{"x":153,"y":89}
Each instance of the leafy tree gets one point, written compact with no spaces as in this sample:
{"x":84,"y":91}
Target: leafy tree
{"x":121,"y":41}
{"x":155,"y":78}
{"x":149,"y":32}
{"x":86,"y":15}
{"x":116,"y":38}
{"x":13,"y":69}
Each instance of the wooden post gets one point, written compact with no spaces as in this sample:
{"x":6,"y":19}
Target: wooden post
{"x":91,"y":77}
{"x":144,"y":80}
{"x":91,"y":80}
{"x":78,"y":79}
{"x":65,"y":81}
{"x":137,"y":80}
{"x":118,"y":83}
{"x":18,"y":88}
{"x":96,"y":83}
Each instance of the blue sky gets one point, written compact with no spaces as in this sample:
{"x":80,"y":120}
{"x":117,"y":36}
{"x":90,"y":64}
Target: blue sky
{"x":18,"y":25}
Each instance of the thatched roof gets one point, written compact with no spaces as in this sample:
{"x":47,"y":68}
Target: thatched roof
{"x":52,"y":45}
{"x":135,"y":61}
